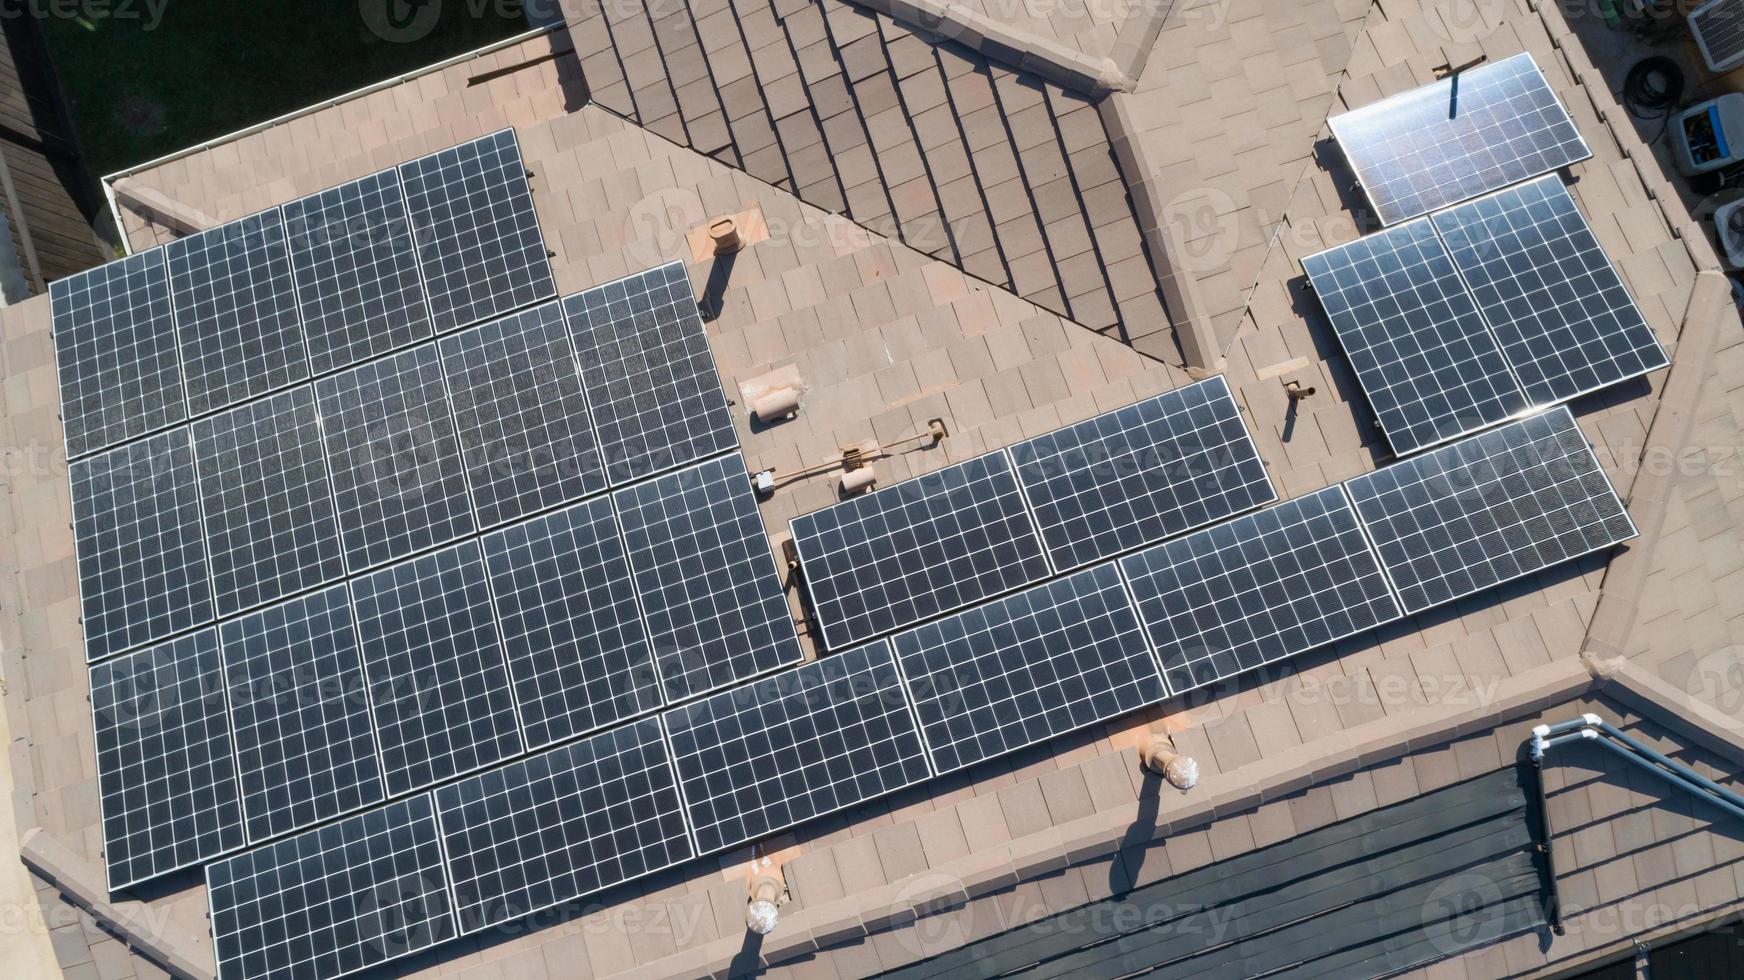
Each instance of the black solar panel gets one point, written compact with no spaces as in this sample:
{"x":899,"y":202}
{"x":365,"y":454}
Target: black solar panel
{"x":334,"y":900}
{"x":1259,"y":589}
{"x":270,"y":528}
{"x":800,"y":744}
{"x":1457,"y":138}
{"x":523,"y":419}
{"x":576,"y":647}
{"x":142,"y":559}
{"x":1429,"y":365}
{"x":477,"y":235}
{"x":165,"y":772}
{"x":1138,"y":474}
{"x":562,"y":824}
{"x":236,"y":312}
{"x":1011,"y":673}
{"x":706,"y":576}
{"x":393,"y":457}
{"x":651,"y":380}
{"x":356,"y":272}
{"x":115,"y":343}
{"x":1564,"y":318}
{"x":436,"y":677}
{"x":305,"y":750}
{"x":925,"y":546}
{"x":1718,"y":27}
{"x":1488,"y":509}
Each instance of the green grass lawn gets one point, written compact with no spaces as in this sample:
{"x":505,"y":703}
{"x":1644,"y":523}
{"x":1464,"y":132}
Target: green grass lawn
{"x":153,"y":76}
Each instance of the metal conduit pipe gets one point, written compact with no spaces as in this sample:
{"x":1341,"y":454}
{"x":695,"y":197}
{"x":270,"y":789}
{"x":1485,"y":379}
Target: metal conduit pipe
{"x":1592,"y":728}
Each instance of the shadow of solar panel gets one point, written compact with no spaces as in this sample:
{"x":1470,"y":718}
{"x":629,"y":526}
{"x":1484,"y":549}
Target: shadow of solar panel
{"x":115,"y":347}
{"x":143,"y":573}
{"x":1259,"y":589}
{"x":477,"y":235}
{"x":305,"y":748}
{"x":925,"y":546}
{"x":267,"y":503}
{"x":1141,"y":473}
{"x":1489,"y":509}
{"x":1428,"y":364}
{"x":236,"y":312}
{"x":437,"y":681}
{"x":710,"y":594}
{"x":524,"y":429}
{"x":650,"y":377}
{"x":333,"y":900}
{"x":356,"y":271}
{"x":1562,"y":313}
{"x":562,"y":824}
{"x":573,"y":636}
{"x":797,"y":745}
{"x":1020,"y":670}
{"x":165,"y":773}
{"x":1454,"y":139}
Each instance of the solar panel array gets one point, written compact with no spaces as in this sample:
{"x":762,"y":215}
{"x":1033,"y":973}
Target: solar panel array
{"x":1718,"y":27}
{"x":115,"y":344}
{"x":1456,"y":138}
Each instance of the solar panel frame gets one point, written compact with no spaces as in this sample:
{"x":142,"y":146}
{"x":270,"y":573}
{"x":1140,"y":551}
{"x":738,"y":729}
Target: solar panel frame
{"x":1031,"y":683}
{"x":174,"y":709}
{"x":354,"y":262}
{"x":438,"y":685}
{"x":1517,"y":80}
{"x":1718,"y":27}
{"x":1447,"y":503}
{"x":236,"y":315}
{"x":706,"y":578}
{"x":392,"y":861}
{"x":1425,"y":357}
{"x":1561,"y":312}
{"x":525,"y":430}
{"x":1159,"y":467}
{"x":581,"y":828}
{"x":270,"y":526}
{"x":858,"y":548}
{"x":117,"y":360}
{"x":1182,"y":588}
{"x":650,"y":376}
{"x":572,"y":630}
{"x":794,"y":746}
{"x":300,"y":716}
{"x":140,"y":544}
{"x":479,"y":245}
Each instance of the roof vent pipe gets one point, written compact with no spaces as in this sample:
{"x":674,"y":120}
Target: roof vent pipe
{"x":1158,"y":755}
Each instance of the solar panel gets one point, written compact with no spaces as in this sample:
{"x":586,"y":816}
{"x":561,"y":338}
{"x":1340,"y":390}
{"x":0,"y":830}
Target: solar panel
{"x":164,"y":769}
{"x":356,"y":272}
{"x":562,"y":824}
{"x":706,"y":576}
{"x":800,"y":744}
{"x":651,"y":380}
{"x":305,"y":749}
{"x":398,"y":478}
{"x":1718,"y":27}
{"x":1141,"y":473}
{"x":1259,"y":589}
{"x":1489,"y":509}
{"x":142,"y":559}
{"x":1457,"y":138}
{"x":925,"y":546}
{"x":435,"y":669}
{"x":522,"y":416}
{"x":477,"y":235}
{"x":572,"y":633}
{"x":1020,"y":670}
{"x":115,"y":344}
{"x":1564,"y":318}
{"x":1430,"y":367}
{"x":236,"y":312}
{"x":268,"y":506}
{"x":334,"y":900}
